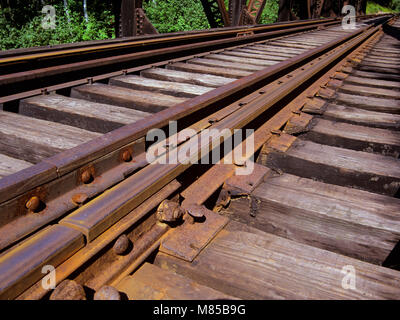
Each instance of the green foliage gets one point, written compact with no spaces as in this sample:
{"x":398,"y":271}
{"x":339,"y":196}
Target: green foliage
{"x":176,"y":15}
{"x":183,"y":15}
{"x":16,"y":32}
{"x":270,"y":12}
{"x":20,"y":20}
{"x":395,"y":5}
{"x":373,"y":7}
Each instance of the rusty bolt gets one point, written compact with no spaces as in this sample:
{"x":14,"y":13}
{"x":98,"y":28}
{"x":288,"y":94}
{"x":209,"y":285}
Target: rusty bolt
{"x":33,"y":203}
{"x":86,"y":177}
{"x":68,"y":290}
{"x":195,"y":210}
{"x":121,"y":245}
{"x":126,"y":156}
{"x":107,"y":293}
{"x":169,"y":211}
{"x":79,"y":198}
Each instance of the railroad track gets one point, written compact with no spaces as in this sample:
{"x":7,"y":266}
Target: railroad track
{"x":321,"y":200}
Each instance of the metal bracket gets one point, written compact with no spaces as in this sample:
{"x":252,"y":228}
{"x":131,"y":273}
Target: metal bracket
{"x":187,"y":240}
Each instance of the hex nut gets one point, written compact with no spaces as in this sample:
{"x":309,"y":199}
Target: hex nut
{"x":107,"y":293}
{"x":122,"y":244}
{"x":86,"y":177}
{"x":68,"y":290}
{"x":33,"y":203}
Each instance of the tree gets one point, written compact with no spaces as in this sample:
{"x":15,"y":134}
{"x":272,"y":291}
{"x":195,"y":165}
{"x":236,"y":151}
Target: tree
{"x":85,"y":11}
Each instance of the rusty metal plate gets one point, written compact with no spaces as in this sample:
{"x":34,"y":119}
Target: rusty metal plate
{"x":247,"y":183}
{"x":186,"y":241}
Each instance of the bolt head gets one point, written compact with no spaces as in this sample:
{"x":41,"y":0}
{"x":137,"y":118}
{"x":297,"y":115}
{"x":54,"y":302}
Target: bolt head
{"x":121,"y":245}
{"x":68,"y":290}
{"x":86,"y":177}
{"x":107,"y":293}
{"x":33,"y":203}
{"x":79,"y":198}
{"x":126,"y":156}
{"x":169,"y":211}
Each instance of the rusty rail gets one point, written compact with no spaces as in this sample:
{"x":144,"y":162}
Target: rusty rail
{"x":94,"y":218}
{"x":57,"y":179}
{"x":117,"y":209}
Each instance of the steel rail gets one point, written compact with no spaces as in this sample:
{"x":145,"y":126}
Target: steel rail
{"x":165,"y":38}
{"x":54,"y":170}
{"x":135,"y":57}
{"x":14,"y":97}
{"x":202,"y":189}
{"x":91,"y":46}
{"x":45,"y":77}
{"x":95,"y":217}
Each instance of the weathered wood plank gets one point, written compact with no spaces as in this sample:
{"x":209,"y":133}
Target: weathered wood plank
{"x":374,"y":58}
{"x":293,"y":44}
{"x":369,"y":103}
{"x":354,"y":137}
{"x":10,"y":165}
{"x":312,"y":38}
{"x":370,"y":91}
{"x":261,"y":52}
{"x":225,"y":64}
{"x":250,"y":61}
{"x":362,"y":117}
{"x":153,"y":283}
{"x":352,"y":222}
{"x":290,"y":45}
{"x":32,"y":139}
{"x":394,"y":85}
{"x":79,"y":113}
{"x":207,"y":70}
{"x":382,"y":52}
{"x":124,"y":97}
{"x":169,"y":74}
{"x":367,"y":171}
{"x":376,"y":75}
{"x":380,"y":63}
{"x":319,"y":41}
{"x":249,"y":264}
{"x":304,"y":41}
{"x":167,"y":87}
{"x":253,"y":55}
{"x":376,"y":67}
{"x":268,"y":47}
